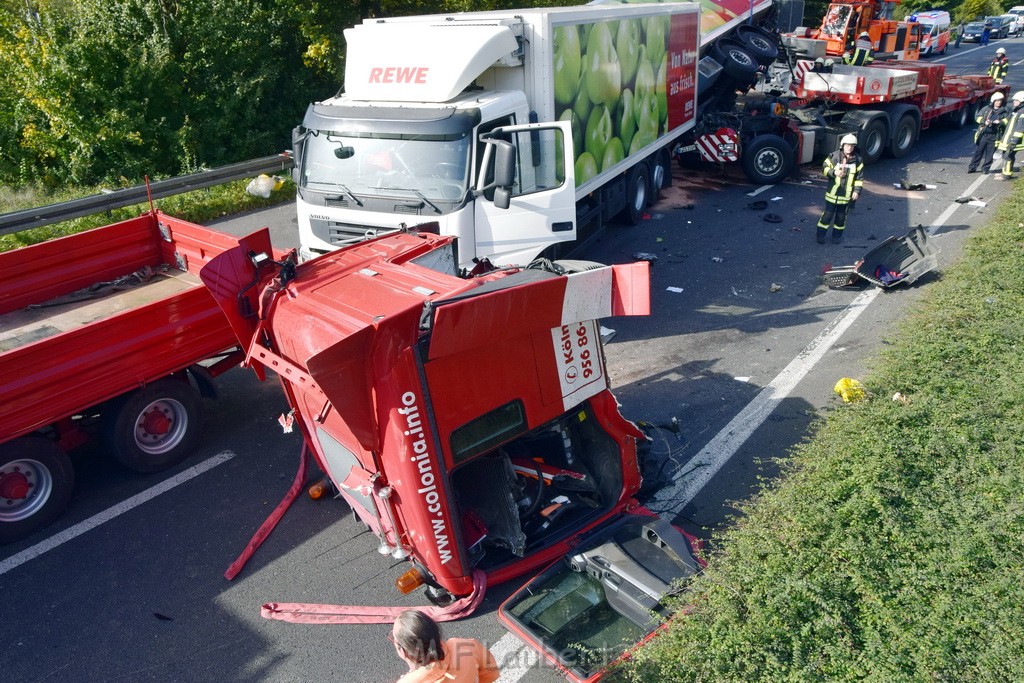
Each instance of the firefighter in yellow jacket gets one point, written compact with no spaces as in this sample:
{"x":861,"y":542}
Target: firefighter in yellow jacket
{"x":844,"y":177}
{"x":1000,"y":66}
{"x":1013,"y":139}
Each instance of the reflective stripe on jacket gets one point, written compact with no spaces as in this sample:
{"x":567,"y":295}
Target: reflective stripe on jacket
{"x":860,"y":57}
{"x":840,"y":190}
{"x":999,"y":68}
{"x":1013,"y":138}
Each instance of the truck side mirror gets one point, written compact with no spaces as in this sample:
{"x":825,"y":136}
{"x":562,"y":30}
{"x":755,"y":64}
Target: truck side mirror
{"x":502,"y":197}
{"x":504,"y":163}
{"x":299,"y":135}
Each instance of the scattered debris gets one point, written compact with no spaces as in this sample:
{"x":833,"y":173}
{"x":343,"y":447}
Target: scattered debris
{"x":657,"y":216}
{"x":760,"y":205}
{"x":606,"y":334}
{"x":901,"y":398}
{"x":645,"y":256}
{"x":658,"y":239}
{"x":850,"y":390}
{"x":966,"y":199}
{"x":262,"y":185}
{"x":776,"y":199}
{"x":913,"y":187}
{"x":894,"y":261}
{"x":772,"y":218}
{"x":977,"y":202}
{"x":717,"y":259}
{"x":676,"y":290}
{"x":687,"y":206}
{"x":742,"y":379}
{"x":776,"y":287}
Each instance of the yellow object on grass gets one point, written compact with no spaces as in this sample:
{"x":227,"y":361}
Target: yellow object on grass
{"x":850,"y":389}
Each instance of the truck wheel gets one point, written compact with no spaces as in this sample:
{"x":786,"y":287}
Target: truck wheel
{"x":872,"y":141}
{"x":735,"y":60}
{"x":959,"y":119}
{"x":155,"y":427}
{"x":903,"y":137}
{"x":767,"y":159}
{"x":638,"y":192}
{"x":759,"y":43}
{"x":661,"y":172}
{"x":36,"y":479}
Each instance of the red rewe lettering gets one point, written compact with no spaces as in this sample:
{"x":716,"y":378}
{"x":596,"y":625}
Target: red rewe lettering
{"x":389,"y":75}
{"x":421,"y":74}
{"x":375,"y":73}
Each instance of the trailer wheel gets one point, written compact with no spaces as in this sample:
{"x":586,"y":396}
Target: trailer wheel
{"x":36,"y":480}
{"x":958,"y":119}
{"x":761,"y":44}
{"x":903,"y":137}
{"x":155,"y":427}
{"x":638,"y":193}
{"x":767,"y":159}
{"x":872,"y":141}
{"x":661,"y":172}
{"x":735,"y":60}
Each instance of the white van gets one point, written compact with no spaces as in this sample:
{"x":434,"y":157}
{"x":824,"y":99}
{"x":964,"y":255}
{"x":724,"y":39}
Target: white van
{"x":1018,"y":19}
{"x":934,"y":31}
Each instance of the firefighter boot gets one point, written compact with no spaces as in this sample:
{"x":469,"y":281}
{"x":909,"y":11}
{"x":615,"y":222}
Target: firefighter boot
{"x":821,"y":234}
{"x":837,"y":235}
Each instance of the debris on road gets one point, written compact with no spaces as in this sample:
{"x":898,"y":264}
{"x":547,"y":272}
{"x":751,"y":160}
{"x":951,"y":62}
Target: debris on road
{"x":901,"y":398}
{"x":894,"y":261}
{"x":760,"y":205}
{"x":772,"y":218}
{"x":914,"y":187}
{"x":645,"y":256}
{"x":675,"y":290}
{"x":717,"y":259}
{"x":776,"y":287}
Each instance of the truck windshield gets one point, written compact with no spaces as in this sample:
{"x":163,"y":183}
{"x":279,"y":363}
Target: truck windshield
{"x":432,"y":167}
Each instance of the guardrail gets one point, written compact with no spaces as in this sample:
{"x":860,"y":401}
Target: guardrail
{"x":16,"y":221}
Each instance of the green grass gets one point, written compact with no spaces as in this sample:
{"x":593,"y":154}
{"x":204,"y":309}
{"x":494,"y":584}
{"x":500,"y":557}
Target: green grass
{"x":198,"y":206}
{"x":892,"y":547}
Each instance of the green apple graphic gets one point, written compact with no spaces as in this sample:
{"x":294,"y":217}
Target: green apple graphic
{"x":644,"y":85}
{"x":586,"y":168}
{"x":613,"y":154}
{"x":568,"y":59}
{"x":599,"y":132}
{"x":627,"y":47}
{"x":659,"y":90}
{"x":601,"y":64}
{"x":582,"y":105}
{"x":577,"y":131}
{"x":646,"y":124}
{"x":625,"y":118}
{"x":657,"y":32}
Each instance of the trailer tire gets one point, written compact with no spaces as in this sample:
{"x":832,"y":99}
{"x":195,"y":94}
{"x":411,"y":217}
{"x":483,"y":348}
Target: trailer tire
{"x":661,"y":172}
{"x":959,"y":119}
{"x":903,"y":137}
{"x":761,"y":44}
{"x":638,"y":195}
{"x":871,"y":141}
{"x":44,"y":469}
{"x":155,"y":427}
{"x":767,"y":159}
{"x":735,"y":60}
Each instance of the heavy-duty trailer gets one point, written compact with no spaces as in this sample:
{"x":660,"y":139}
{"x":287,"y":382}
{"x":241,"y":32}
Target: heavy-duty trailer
{"x":102,"y":334}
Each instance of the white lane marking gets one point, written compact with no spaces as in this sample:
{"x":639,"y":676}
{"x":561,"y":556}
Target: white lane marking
{"x":509,"y":650}
{"x":110,"y":513}
{"x":759,"y":190}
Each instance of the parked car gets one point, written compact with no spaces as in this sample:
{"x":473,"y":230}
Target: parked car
{"x":1000,"y":26}
{"x":972,"y":32}
{"x":1016,"y":22}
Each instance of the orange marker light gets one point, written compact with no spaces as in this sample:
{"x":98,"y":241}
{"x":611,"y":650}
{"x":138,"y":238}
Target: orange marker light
{"x":409,"y":581}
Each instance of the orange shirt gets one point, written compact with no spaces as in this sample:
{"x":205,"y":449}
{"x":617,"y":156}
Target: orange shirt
{"x":465,"y":661}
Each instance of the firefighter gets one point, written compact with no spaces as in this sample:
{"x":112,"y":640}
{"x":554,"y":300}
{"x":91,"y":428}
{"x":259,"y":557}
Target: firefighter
{"x":862,"y":54}
{"x":1000,"y":66}
{"x":1013,"y":139}
{"x":991,"y":125}
{"x":844,"y":177}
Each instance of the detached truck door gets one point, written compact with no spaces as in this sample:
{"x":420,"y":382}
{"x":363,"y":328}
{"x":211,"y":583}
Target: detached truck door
{"x":542,"y":206}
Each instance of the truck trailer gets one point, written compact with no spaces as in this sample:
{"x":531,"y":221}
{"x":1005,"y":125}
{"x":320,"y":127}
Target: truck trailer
{"x":593,"y":99}
{"x":101,"y":335}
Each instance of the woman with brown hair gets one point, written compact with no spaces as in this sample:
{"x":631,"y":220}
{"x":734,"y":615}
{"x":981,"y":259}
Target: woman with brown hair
{"x":417,"y":640}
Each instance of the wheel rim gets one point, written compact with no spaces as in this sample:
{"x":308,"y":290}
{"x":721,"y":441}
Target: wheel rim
{"x":640,"y":194}
{"x":962,"y":120}
{"x":740,"y":57}
{"x":659,"y":176}
{"x":160,"y":426}
{"x":760,"y":43}
{"x":768,"y":161}
{"x":906,"y":137}
{"x":874,"y":143}
{"x":29,"y":484}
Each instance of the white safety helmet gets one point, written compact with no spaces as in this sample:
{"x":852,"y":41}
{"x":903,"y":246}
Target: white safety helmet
{"x":1001,"y":51}
{"x":864,"y":34}
{"x":1018,"y":96}
{"x":997,"y":96}
{"x":849,"y":139}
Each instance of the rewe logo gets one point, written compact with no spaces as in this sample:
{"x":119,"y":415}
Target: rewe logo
{"x":399,"y":74}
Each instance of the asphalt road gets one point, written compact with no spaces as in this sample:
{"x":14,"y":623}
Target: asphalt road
{"x":128,"y":584}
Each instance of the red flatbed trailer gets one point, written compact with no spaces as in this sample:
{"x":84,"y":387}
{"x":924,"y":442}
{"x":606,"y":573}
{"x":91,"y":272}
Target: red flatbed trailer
{"x":100,"y":333}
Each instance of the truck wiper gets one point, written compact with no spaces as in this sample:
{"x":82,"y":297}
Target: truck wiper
{"x":418,"y":194}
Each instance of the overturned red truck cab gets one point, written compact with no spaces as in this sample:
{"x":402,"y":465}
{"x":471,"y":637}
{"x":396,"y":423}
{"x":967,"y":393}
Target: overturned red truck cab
{"x":467,"y":420}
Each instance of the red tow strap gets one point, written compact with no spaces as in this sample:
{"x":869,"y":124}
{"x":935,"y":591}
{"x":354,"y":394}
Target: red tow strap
{"x":302,"y":613}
